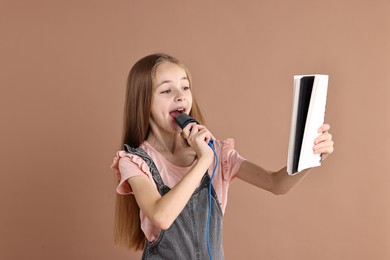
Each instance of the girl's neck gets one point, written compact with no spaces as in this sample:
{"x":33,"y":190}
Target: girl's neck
{"x":175,"y":149}
{"x":167,"y":143}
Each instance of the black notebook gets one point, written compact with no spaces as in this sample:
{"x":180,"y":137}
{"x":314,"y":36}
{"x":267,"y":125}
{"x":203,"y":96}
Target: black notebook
{"x":308,"y":113}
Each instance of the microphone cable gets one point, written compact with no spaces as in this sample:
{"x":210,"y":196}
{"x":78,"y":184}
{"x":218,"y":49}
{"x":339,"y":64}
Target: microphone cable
{"x":211,"y":144}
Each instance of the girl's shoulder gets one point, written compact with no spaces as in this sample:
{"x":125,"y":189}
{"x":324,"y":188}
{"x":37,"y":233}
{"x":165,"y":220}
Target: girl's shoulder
{"x":225,"y":144}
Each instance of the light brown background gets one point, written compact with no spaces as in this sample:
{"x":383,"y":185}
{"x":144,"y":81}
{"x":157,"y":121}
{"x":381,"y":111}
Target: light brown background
{"x":63,"y":71}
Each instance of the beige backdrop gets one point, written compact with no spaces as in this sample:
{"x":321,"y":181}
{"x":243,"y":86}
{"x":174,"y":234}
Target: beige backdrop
{"x":63,"y":71}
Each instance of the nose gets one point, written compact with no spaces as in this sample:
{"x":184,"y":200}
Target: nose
{"x":179,"y":96}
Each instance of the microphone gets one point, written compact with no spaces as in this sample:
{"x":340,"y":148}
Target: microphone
{"x":183,"y":120}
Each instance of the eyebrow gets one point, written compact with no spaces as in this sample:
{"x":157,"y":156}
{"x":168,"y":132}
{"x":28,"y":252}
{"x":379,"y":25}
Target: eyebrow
{"x":168,"y":81}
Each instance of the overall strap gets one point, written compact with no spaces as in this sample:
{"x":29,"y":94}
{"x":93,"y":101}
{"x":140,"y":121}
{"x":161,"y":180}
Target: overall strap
{"x":152,"y":167}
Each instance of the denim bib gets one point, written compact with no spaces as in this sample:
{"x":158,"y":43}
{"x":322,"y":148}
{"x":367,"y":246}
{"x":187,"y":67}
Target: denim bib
{"x":185,"y":239}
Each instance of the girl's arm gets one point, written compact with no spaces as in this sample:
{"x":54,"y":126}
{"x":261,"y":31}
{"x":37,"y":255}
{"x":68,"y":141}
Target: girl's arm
{"x":280,"y":182}
{"x":163,"y":210}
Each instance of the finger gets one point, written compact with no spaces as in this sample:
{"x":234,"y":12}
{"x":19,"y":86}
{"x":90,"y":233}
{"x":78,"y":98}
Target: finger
{"x":325,"y":151}
{"x":188,"y":129}
{"x":196,"y":139}
{"x":196,"y":132}
{"x":324,"y":143}
{"x":210,"y":137}
{"x":324,"y":147}
{"x":324,"y":128}
{"x":323,"y":138}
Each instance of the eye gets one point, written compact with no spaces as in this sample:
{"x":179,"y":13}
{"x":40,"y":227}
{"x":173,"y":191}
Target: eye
{"x":186,"y":88}
{"x":166,"y":91}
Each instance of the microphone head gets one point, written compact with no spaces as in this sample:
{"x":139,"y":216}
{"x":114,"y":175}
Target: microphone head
{"x":183,"y":120}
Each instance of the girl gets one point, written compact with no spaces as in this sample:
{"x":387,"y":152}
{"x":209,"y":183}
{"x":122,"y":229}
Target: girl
{"x":164,"y":172}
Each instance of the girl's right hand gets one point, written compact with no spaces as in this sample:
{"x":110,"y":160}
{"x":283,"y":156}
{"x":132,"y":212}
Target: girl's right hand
{"x":198,"y":137}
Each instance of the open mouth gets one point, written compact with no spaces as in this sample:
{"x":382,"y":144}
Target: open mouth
{"x":174,"y":113}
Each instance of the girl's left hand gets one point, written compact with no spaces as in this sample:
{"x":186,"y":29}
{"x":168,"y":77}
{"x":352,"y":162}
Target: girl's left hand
{"x":323,"y":144}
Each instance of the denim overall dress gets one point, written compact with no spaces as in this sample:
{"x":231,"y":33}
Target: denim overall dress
{"x":185,"y":239}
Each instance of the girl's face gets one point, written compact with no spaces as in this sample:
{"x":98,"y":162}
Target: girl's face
{"x":171,"y":96}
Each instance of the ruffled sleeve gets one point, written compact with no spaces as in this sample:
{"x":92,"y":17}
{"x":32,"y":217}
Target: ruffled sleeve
{"x":127,"y":165}
{"x":230,"y":160}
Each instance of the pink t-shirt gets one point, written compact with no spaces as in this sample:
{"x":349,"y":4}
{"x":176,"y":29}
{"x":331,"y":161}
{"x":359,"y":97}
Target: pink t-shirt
{"x":127,"y":165}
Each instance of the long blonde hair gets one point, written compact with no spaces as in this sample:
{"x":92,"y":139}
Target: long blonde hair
{"x":136,"y":128}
